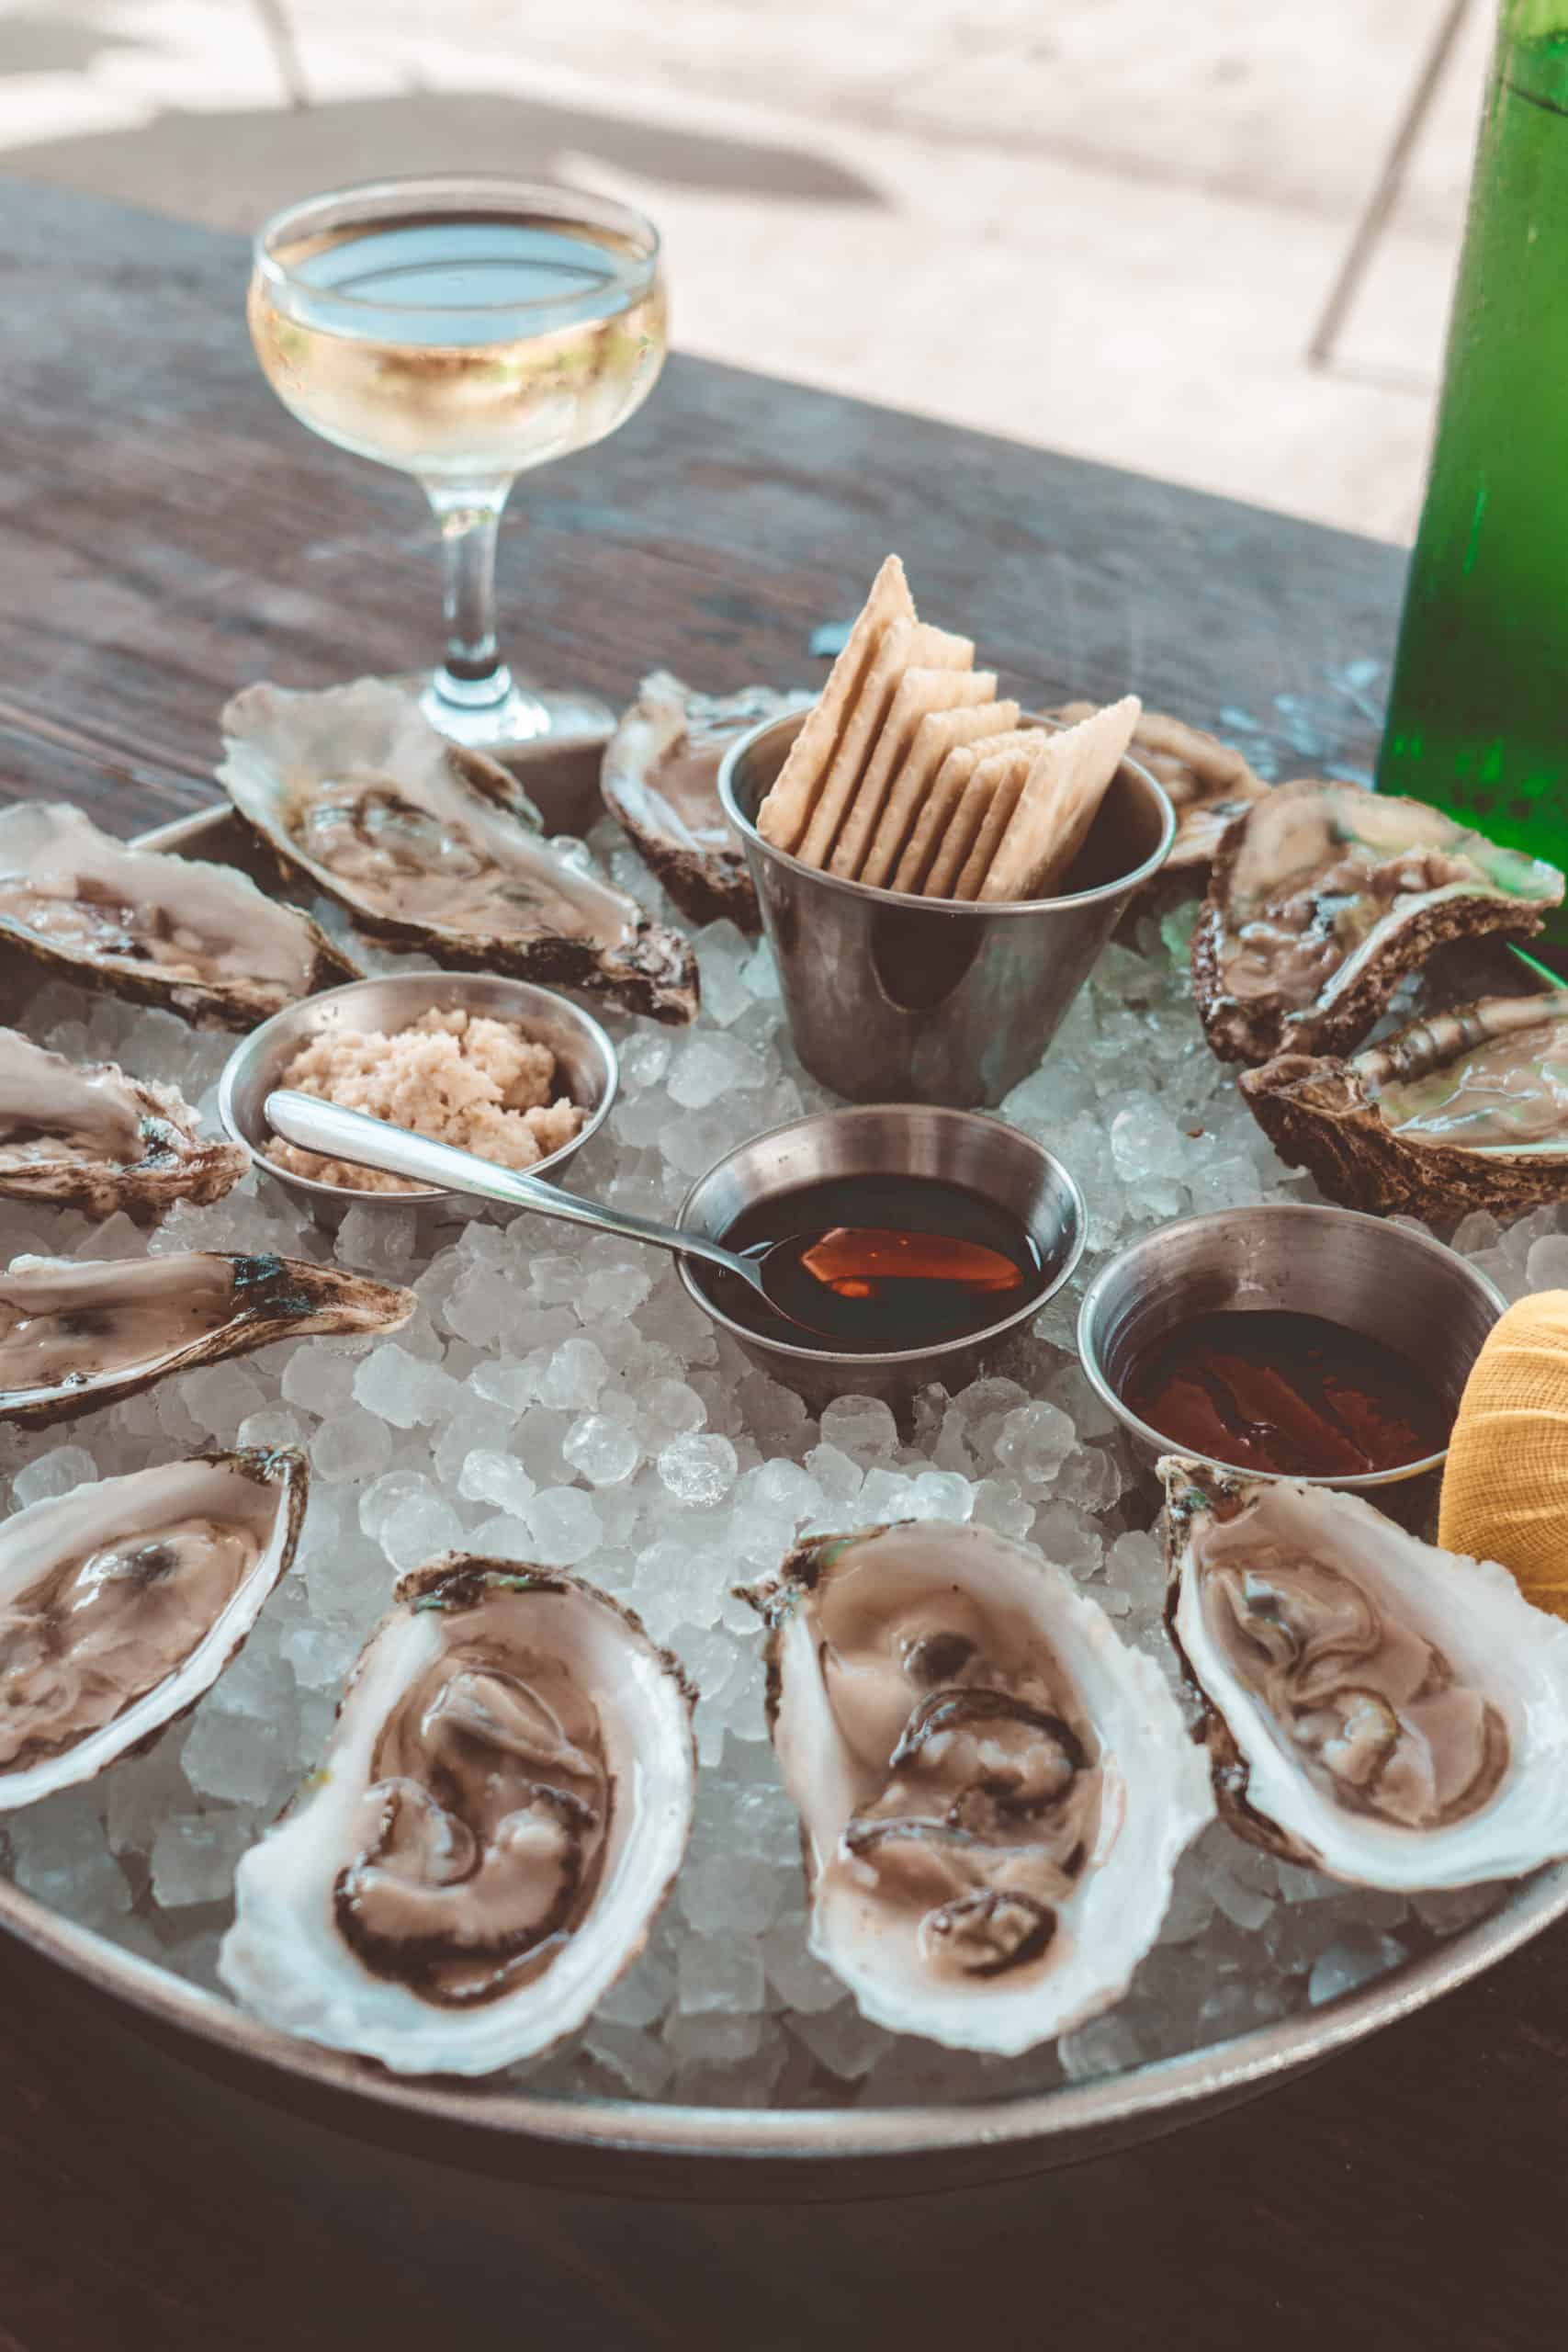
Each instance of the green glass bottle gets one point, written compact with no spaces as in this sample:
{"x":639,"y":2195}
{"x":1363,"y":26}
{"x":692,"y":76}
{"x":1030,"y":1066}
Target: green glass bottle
{"x":1478,"y":714}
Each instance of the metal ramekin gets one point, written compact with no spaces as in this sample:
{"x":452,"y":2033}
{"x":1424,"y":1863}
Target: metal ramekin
{"x":1381,"y":1280}
{"x":897,"y":1139}
{"x":893,"y":998}
{"x":589,"y":1068}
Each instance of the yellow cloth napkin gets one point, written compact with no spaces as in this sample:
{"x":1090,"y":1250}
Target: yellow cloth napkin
{"x":1505,"y":1482}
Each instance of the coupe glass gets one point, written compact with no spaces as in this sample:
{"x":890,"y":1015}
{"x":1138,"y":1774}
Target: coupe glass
{"x":464,"y":328}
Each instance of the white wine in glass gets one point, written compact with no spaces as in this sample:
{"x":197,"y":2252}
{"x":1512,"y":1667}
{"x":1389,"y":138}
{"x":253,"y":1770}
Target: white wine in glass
{"x":465,"y":329}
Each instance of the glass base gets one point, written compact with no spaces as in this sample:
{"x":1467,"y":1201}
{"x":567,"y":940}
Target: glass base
{"x":552,"y":740}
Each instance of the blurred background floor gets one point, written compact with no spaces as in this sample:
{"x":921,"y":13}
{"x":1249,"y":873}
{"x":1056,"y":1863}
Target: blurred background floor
{"x":1213,"y":245}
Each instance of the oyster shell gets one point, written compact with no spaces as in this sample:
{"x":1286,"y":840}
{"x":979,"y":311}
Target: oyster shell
{"x":80,"y":1332}
{"x":85,"y":1136}
{"x":501,"y":1814}
{"x":1392,"y":1715}
{"x":992,"y":1791}
{"x":433,"y":847}
{"x":122,"y":1601}
{"x":160,"y":930}
{"x":1466,"y":1110}
{"x":660,"y":780}
{"x":1323,"y":896}
{"x":1209,"y":784}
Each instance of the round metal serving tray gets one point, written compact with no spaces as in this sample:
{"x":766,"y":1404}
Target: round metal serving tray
{"x":718,"y":2154}
{"x":737,"y":2154}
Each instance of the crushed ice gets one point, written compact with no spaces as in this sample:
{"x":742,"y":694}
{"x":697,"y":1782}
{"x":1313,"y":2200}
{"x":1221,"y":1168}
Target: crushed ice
{"x":560,"y":1399}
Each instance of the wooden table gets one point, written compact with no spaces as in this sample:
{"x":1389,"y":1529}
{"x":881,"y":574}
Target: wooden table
{"x":166,"y":534}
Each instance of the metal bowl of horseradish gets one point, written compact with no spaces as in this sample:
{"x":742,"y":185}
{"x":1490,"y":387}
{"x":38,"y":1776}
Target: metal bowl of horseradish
{"x":587,"y":1069}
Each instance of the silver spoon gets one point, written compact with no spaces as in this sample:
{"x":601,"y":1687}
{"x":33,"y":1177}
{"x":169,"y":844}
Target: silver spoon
{"x":326,"y":1128}
{"x":789,"y":1278}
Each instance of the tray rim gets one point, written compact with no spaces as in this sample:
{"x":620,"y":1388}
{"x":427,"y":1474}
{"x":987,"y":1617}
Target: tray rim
{"x":1138,"y":2098}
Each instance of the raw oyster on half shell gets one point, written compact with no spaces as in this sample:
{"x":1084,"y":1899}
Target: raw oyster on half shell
{"x":1390,"y":1713}
{"x":433,"y":847}
{"x":80,"y":1332}
{"x":1466,"y":1110}
{"x":85,"y":1136}
{"x":158,"y":929}
{"x":993,"y":1790}
{"x":1208,"y":782}
{"x":122,"y":1601}
{"x":660,"y":780}
{"x":500,"y":1815}
{"x":1323,"y":896}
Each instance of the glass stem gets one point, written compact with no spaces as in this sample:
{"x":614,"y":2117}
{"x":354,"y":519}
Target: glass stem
{"x":473,"y":676}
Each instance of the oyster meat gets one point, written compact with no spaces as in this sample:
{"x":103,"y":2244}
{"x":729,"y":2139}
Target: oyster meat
{"x":1323,"y":896}
{"x":500,"y":1815}
{"x":1390,"y":1713}
{"x":80,"y":1332}
{"x":160,"y":929}
{"x":1208,"y":782}
{"x":85,"y":1136}
{"x":122,"y":1602}
{"x":1466,"y":1110}
{"x":992,"y":1791}
{"x":661,"y":781}
{"x":433,"y":847}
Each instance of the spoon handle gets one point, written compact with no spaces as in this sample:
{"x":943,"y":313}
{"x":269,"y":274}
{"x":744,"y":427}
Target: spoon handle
{"x":326,"y":1128}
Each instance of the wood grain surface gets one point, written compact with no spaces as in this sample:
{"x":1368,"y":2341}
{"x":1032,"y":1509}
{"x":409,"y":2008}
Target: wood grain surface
{"x":166,"y":534}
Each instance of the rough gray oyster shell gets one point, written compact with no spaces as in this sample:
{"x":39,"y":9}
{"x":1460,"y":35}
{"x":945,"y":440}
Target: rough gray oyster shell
{"x":122,"y":1601}
{"x":77,"y":1333}
{"x":1392,"y":1715}
{"x":499,"y":1817}
{"x":85,"y":1136}
{"x":660,"y":780}
{"x":1323,"y":896}
{"x":158,"y":929}
{"x":433,"y":847}
{"x":1208,"y":782}
{"x":1465,"y":1110}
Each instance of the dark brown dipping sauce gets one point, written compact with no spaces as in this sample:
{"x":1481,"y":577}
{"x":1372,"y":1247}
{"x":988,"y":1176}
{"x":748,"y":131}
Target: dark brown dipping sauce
{"x":1293,"y":1395}
{"x":875,"y":1263}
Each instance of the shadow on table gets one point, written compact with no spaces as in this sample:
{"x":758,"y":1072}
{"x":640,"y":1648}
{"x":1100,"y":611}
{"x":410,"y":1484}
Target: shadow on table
{"x":32,"y":41}
{"x":227,"y":169}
